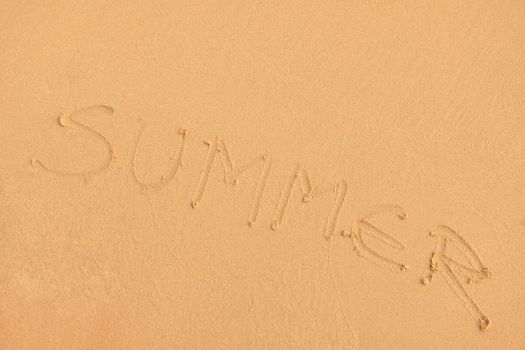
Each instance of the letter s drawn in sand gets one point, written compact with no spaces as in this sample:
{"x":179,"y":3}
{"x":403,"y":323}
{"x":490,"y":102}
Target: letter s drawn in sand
{"x":67,"y":120}
{"x":451,"y":268}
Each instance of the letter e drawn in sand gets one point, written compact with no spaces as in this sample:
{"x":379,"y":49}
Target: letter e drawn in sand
{"x":362,"y":226}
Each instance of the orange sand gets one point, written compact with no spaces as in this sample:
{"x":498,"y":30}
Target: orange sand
{"x":262,"y":175}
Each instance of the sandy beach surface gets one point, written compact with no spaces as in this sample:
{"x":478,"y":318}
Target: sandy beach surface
{"x":262,"y":175}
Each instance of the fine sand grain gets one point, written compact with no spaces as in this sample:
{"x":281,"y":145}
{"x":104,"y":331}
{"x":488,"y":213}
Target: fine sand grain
{"x":262,"y":175}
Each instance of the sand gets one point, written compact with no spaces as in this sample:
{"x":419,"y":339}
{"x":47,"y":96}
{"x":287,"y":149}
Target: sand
{"x":262,"y":175}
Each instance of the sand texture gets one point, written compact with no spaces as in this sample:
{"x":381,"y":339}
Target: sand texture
{"x":262,"y":175}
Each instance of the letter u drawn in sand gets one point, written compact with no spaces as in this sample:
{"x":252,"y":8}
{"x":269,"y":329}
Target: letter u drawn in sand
{"x":164,"y":179}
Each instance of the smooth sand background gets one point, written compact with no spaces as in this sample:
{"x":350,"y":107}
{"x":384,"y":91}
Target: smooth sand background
{"x":419,"y":105}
